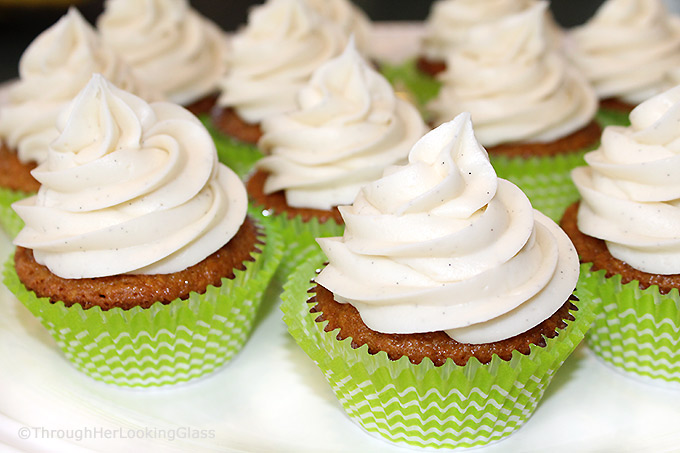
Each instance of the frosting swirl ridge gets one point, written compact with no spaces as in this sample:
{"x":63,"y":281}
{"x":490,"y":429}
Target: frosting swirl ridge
{"x":443,"y":244}
{"x":515,"y":83}
{"x":630,"y":190}
{"x":129,"y":187}
{"x":274,"y":57}
{"x":349,"y":126}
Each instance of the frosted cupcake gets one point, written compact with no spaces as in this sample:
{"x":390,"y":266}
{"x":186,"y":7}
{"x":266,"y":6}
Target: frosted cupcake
{"x":532,"y":111}
{"x":625,"y":229}
{"x":347,"y":128}
{"x":272,"y":58}
{"x":137,"y":254}
{"x":52,"y":70}
{"x":446,"y":307}
{"x":170,"y":46}
{"x":626,"y":50}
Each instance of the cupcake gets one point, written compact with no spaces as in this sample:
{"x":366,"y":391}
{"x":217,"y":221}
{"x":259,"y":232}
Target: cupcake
{"x":447,"y":306}
{"x":347,"y":128}
{"x":532,"y":111}
{"x":170,"y":46}
{"x":625,"y":229}
{"x":626,"y":51}
{"x":137,"y":254}
{"x":52,"y":70}
{"x":271,"y":59}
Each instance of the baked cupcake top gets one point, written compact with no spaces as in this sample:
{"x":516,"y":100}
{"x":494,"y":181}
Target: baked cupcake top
{"x":129,"y":187}
{"x":630,"y":190}
{"x":627,"y":48}
{"x":516,"y":84}
{"x":169,"y":45}
{"x":348,"y":126}
{"x":450,"y":21}
{"x":442,"y":244}
{"x":52,"y":70}
{"x":274,"y":56}
{"x":349,"y":17}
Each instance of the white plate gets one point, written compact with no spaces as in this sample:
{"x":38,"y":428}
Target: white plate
{"x":272,"y":398}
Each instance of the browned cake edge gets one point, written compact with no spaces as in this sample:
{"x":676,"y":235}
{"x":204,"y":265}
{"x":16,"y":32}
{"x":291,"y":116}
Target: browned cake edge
{"x":437,"y":346}
{"x":128,"y":291}
{"x":227,"y":121}
{"x":594,"y":250}
{"x":577,"y":141}
{"x":15,"y":175}
{"x":203,"y":105}
{"x":276,"y":201}
{"x":430,"y":67}
{"x":616,"y":104}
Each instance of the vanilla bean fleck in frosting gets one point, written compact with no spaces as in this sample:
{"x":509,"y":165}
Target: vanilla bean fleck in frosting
{"x":169,"y":45}
{"x":274,"y":56}
{"x":515,"y":83}
{"x":630,"y":190}
{"x":627,"y":49}
{"x":349,"y":126}
{"x":442,"y":244}
{"x":52,"y":70}
{"x":129,"y":187}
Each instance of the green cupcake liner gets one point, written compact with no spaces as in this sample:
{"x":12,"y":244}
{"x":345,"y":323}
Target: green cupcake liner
{"x":239,"y":156}
{"x":298,"y":237}
{"x":166,"y":343}
{"x":406,"y":77}
{"x":636,"y":330}
{"x":608,"y":117}
{"x":9,"y":220}
{"x":423,"y":405}
{"x":545,"y":180}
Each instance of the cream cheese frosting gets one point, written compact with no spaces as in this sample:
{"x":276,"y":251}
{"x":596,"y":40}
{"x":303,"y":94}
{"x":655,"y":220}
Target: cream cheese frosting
{"x":129,"y":187}
{"x":626,"y":49}
{"x":517,"y":86}
{"x":450,"y":21}
{"x":52,"y":70}
{"x":630,"y":190}
{"x":169,"y":45}
{"x":351,"y":19}
{"x":349,"y":126}
{"x":274,"y":56}
{"x":442,"y":244}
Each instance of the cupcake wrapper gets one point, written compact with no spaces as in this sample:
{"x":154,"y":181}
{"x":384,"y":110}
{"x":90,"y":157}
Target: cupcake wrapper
{"x":9,"y":220}
{"x":636,"y":330}
{"x":239,"y":156}
{"x":608,"y":117}
{"x":545,"y":180}
{"x":164,"y":344}
{"x":418,"y":87}
{"x":423,"y":405}
{"x":299,"y":237}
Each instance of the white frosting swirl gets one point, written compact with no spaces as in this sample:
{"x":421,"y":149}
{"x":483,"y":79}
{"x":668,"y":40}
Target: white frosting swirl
{"x":349,"y":17}
{"x":450,"y":22}
{"x":631,"y":188}
{"x":443,"y":244}
{"x":348,"y":127}
{"x":274,"y":57}
{"x":168,"y":44}
{"x":52,"y":70}
{"x":517,"y":86}
{"x":129,"y":187}
{"x":627,"y":48}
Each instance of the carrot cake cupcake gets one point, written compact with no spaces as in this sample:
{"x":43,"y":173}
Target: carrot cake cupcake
{"x":52,"y":70}
{"x":137,"y":253}
{"x":347,"y":128}
{"x":447,"y":305}
{"x":625,"y":229}
{"x":626,"y":51}
{"x":533,"y":112}
{"x":170,"y":46}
